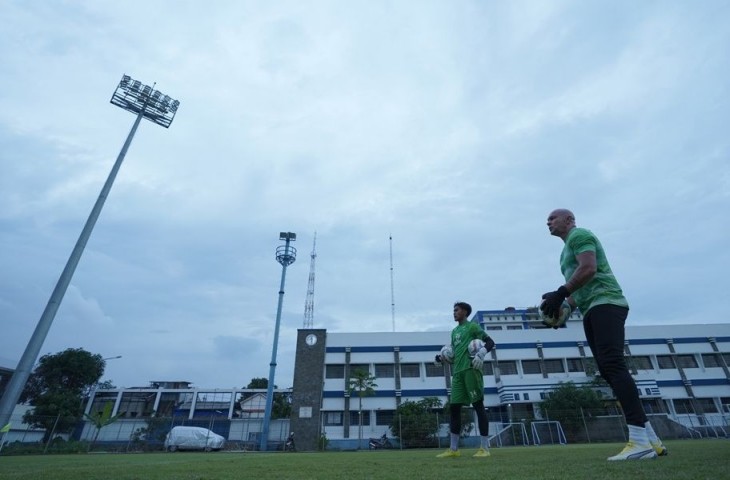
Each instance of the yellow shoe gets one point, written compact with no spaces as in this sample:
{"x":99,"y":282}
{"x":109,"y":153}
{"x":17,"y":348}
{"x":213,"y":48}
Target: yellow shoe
{"x":634,"y":451}
{"x":659,"y":448}
{"x":449,"y":454}
{"x":482,"y":453}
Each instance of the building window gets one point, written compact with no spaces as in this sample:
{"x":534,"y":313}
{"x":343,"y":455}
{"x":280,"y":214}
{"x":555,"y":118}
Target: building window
{"x":363,"y":367}
{"x":514,"y":327}
{"x":666,"y":362}
{"x":494,"y":327}
{"x":333,"y":419}
{"x":488,"y":368}
{"x":726,"y":356}
{"x":687,"y":361}
{"x":575,"y":365}
{"x":683,"y":405}
{"x":507,"y":367}
{"x":707,"y":404}
{"x":652,"y":405}
{"x":531,"y":366}
{"x":410,"y":370}
{"x":384,"y":370}
{"x":525,"y":396}
{"x":334,"y":371}
{"x":641,"y":362}
{"x":711,"y":360}
{"x":355,"y":415}
{"x":554,"y":365}
{"x":384,"y":417}
{"x":433,"y":370}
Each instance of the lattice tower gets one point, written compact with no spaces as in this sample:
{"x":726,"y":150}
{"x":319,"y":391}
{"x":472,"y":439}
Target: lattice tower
{"x":309,"y":302}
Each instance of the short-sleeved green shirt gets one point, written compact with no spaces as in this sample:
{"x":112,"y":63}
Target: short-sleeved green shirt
{"x":603,"y":287}
{"x":461,"y":335}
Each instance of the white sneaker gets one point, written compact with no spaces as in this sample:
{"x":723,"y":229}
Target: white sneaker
{"x":634,"y":451}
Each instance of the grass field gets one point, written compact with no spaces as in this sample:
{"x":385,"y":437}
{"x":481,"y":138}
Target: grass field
{"x":688,"y":459}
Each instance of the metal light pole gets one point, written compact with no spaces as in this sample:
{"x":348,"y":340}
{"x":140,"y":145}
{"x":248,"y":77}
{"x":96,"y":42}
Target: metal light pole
{"x":285,"y":255}
{"x":145,"y":102}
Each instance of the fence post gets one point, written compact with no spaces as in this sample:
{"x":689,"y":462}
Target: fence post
{"x":585,"y":425}
{"x":53,"y":430}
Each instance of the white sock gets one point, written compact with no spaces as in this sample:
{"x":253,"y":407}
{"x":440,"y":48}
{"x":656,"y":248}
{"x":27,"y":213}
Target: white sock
{"x":651,"y":433}
{"x":485,"y":443}
{"x":638,"y":435}
{"x":454,"y":441}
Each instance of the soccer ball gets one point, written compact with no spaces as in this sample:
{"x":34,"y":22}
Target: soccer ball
{"x":565,"y":311}
{"x":474,"y":346}
{"x":447,"y":354}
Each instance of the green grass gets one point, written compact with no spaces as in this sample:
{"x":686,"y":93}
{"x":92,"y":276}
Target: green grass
{"x":688,"y":459}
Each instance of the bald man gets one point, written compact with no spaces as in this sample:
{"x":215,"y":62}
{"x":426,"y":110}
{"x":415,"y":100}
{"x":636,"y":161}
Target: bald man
{"x":591,"y":286}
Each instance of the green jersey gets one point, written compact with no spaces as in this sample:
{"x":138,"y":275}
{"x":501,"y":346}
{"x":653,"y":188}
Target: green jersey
{"x":603,"y":287}
{"x":461,"y":335}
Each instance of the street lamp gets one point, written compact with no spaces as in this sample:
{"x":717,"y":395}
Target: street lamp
{"x":112,"y":358}
{"x":285,"y":255}
{"x":145,"y":102}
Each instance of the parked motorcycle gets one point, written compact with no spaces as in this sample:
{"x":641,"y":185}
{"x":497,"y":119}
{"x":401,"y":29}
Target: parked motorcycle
{"x":289,"y":446}
{"x":377,"y":443}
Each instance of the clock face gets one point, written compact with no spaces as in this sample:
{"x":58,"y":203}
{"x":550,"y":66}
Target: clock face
{"x":311,"y":339}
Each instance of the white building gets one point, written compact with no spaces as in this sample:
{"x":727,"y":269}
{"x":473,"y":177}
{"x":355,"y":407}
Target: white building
{"x":681,"y":371}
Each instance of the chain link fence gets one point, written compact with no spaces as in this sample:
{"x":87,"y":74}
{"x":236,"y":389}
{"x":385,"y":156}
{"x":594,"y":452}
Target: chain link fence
{"x":404,"y":432}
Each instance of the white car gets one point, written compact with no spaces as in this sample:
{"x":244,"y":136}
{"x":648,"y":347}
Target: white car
{"x":193,"y":438}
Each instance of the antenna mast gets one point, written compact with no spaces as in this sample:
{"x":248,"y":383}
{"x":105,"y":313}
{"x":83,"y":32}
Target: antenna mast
{"x":309,"y":303}
{"x":392,"y":294}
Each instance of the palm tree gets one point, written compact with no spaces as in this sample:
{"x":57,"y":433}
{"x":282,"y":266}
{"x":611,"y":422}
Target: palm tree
{"x":361,"y":382}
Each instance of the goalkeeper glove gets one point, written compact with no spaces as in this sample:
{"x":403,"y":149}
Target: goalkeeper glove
{"x":478,"y":359}
{"x":553,"y":300}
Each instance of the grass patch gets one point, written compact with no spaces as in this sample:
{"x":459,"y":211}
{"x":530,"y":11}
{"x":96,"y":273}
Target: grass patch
{"x":688,"y":459}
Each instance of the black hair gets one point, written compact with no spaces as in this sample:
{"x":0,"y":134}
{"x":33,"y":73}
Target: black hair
{"x":464,"y":306}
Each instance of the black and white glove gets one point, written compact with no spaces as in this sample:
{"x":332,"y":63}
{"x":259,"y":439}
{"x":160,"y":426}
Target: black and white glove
{"x":478,"y":359}
{"x":552,"y":301}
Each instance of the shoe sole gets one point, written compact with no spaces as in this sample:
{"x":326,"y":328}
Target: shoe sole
{"x":643,"y":455}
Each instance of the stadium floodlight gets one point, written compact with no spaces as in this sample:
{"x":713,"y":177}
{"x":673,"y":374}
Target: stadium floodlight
{"x":144,"y":101}
{"x":285,"y":255}
{"x":134,"y":97}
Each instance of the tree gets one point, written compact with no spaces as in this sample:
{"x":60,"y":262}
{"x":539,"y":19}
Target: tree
{"x":361,"y":382}
{"x":101,"y":419}
{"x":416,"y":423}
{"x":571,"y":405}
{"x":280,"y":406}
{"x":57,"y":386}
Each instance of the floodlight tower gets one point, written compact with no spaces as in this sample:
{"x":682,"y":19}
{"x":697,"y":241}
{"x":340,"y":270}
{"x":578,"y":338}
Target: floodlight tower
{"x":285,"y":255}
{"x":145,"y":102}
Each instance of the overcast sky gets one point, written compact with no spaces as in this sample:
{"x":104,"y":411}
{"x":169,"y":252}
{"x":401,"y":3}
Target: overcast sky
{"x":454,"y":126}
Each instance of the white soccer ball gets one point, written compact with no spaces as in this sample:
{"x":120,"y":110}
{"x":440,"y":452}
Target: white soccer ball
{"x":565,"y":311}
{"x":474,"y":346}
{"x":447,"y":354}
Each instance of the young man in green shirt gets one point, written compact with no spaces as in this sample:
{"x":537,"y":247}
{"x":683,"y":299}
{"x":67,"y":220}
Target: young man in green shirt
{"x":467,"y":379}
{"x":591,"y":286}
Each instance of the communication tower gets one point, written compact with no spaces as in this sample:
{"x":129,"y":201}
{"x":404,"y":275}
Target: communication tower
{"x":309,"y":303}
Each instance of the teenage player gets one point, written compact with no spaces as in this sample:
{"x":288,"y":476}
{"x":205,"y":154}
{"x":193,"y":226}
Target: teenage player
{"x":467,"y":379}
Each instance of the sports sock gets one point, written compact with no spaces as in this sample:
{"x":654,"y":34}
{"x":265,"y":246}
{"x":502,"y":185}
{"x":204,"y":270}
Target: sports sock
{"x":638,"y":435}
{"x":485,"y":442}
{"x":454,"y":441}
{"x":651,"y":433}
